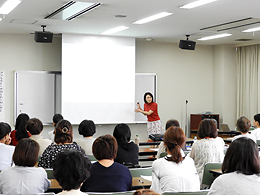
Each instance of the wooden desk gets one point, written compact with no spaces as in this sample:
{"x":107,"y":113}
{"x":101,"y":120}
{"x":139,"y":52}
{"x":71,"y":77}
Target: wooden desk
{"x":146,"y":151}
{"x":216,"y":172}
{"x":136,"y":183}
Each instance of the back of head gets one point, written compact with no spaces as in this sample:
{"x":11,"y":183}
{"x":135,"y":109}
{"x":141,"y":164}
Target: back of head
{"x":172,"y":122}
{"x":87,"y":128}
{"x":105,"y":147}
{"x":207,"y":128}
{"x":174,"y":138}
{"x":26,"y":153}
{"x":56,"y":118}
{"x":242,"y":156}
{"x":20,"y":123}
{"x":4,"y":129}
{"x":63,"y":132}
{"x":122,"y":134}
{"x":34,"y":126}
{"x":215,"y":122}
{"x":71,"y":169}
{"x":243,"y":124}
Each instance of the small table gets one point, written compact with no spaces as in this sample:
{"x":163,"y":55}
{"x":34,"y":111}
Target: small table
{"x":216,"y":172}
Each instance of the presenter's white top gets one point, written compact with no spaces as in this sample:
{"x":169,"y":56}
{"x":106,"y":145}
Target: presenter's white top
{"x":6,"y":155}
{"x":43,"y":143}
{"x":23,"y":180}
{"x":235,"y":183}
{"x":168,"y":176}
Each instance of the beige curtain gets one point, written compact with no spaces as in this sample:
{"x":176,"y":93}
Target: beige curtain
{"x":248,"y":61}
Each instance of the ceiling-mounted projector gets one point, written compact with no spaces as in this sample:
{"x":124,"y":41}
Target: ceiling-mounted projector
{"x":186,"y":44}
{"x":43,"y":36}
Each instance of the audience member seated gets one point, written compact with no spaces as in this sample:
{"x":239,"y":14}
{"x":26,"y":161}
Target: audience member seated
{"x":107,"y":175}
{"x":55,"y":119}
{"x":208,"y":149}
{"x":35,"y":127}
{"x":71,"y":169}
{"x":87,"y":129}
{"x":145,"y":192}
{"x":162,"y":147}
{"x":243,"y":125}
{"x":20,"y":132}
{"x":256,"y":132}
{"x":127,"y":152}
{"x":174,"y":172}
{"x":6,"y":150}
{"x":63,"y":140}
{"x":24,"y":177}
{"x":241,"y":168}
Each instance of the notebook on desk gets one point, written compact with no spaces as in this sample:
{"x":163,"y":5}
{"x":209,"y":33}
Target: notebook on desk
{"x":225,"y":127}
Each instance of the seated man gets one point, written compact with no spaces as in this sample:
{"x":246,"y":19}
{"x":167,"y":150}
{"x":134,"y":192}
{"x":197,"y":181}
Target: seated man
{"x":71,"y":169}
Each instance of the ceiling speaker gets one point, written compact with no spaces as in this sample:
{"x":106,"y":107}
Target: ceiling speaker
{"x":43,"y":37}
{"x":186,"y":44}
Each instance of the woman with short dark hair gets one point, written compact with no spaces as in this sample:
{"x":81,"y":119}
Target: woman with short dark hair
{"x":243,"y":124}
{"x":20,"y":131}
{"x":174,"y":172}
{"x":127,"y":152}
{"x":6,"y":150}
{"x":209,"y":148}
{"x":63,"y":140}
{"x":71,"y":169}
{"x":24,"y":177}
{"x":107,"y":175}
{"x":241,"y":168}
{"x":87,"y":129}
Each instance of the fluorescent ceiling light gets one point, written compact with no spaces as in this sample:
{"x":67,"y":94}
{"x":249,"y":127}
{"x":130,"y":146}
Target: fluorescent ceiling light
{"x":114,"y":30}
{"x":71,"y":10}
{"x":252,"y":29}
{"x":214,"y":37}
{"x":196,"y":4}
{"x":8,"y":6}
{"x":152,"y":18}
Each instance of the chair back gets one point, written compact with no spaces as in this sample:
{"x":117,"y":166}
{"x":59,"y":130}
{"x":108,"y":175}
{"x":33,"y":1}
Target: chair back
{"x":50,"y":173}
{"x":137,"y":172}
{"x":258,"y":142}
{"x":201,"y":192}
{"x":163,"y":154}
{"x":91,"y":157}
{"x":112,"y":193}
{"x":208,"y":177}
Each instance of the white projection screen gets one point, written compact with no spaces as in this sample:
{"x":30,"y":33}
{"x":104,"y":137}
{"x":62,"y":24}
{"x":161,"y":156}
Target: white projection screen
{"x":98,"y":79}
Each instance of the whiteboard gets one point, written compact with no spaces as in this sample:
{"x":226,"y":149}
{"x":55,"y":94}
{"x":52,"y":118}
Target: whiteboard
{"x":35,"y":94}
{"x":38,"y":93}
{"x":144,"y":82}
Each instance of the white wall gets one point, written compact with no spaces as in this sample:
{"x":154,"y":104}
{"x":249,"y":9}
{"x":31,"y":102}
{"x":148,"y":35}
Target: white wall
{"x":182,"y":75}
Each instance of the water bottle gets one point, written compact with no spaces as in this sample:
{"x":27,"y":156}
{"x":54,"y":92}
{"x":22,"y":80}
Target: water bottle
{"x":137,"y":140}
{"x":195,"y":139}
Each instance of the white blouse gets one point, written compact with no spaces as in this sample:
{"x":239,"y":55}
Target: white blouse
{"x":6,"y":155}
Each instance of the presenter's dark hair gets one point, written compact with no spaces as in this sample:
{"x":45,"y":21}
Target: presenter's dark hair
{"x":257,"y":118}
{"x":71,"y":169}
{"x":34,"y":126}
{"x":174,"y":139}
{"x":122,"y":134}
{"x":26,"y":153}
{"x":87,"y":128}
{"x":242,"y":156}
{"x":63,"y":132}
{"x":4,"y":129}
{"x":56,"y":118}
{"x":207,"y":128}
{"x":172,"y":122}
{"x":105,"y":147}
{"x":20,"y":123}
{"x":148,"y":93}
{"x":243,"y":124}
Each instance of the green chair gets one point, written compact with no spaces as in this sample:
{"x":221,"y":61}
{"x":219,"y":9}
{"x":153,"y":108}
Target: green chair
{"x":50,"y":173}
{"x":208,"y":177}
{"x":258,"y":142}
{"x":112,"y":193}
{"x":137,"y":172}
{"x":163,"y":154}
{"x":201,"y":192}
{"x":92,"y":158}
